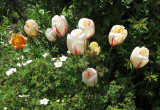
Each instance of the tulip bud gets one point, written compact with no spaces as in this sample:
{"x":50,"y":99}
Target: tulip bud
{"x":90,"y":77}
{"x":87,"y":25}
{"x":94,"y":48}
{"x":100,"y":71}
{"x":76,"y":42}
{"x":18,"y":41}
{"x":59,"y":25}
{"x":117,"y":35}
{"x":50,"y":34}
{"x":139,"y":57}
{"x":31,"y":28}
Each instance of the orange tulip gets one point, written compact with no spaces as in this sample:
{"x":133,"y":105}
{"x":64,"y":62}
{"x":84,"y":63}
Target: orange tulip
{"x":18,"y":41}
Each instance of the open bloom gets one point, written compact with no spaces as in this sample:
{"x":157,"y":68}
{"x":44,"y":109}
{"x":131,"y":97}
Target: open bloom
{"x":58,"y":64}
{"x":59,"y":25}
{"x":44,"y":101}
{"x":94,"y":48}
{"x":76,"y":42}
{"x":63,"y":58}
{"x":87,"y":25}
{"x":117,"y":35}
{"x":50,"y":34}
{"x":90,"y":77}
{"x":31,"y":28}
{"x":18,"y":41}
{"x":139,"y":57}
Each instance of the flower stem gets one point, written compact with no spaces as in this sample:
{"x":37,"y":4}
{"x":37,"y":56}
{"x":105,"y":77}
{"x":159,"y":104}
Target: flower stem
{"x":107,"y":61}
{"x":130,"y":73}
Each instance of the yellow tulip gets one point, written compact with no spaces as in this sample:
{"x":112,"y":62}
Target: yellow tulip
{"x":94,"y":48}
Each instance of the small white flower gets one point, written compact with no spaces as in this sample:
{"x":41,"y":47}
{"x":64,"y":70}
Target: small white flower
{"x":53,"y":59}
{"x":58,"y":100}
{"x":13,"y":69}
{"x":44,"y":101}
{"x":46,"y":54}
{"x":22,"y":57}
{"x":2,"y":43}
{"x":29,"y":61}
{"x":0,"y":91}
{"x":58,"y":64}
{"x":23,"y":95}
{"x":19,"y":64}
{"x":68,"y":52}
{"x":10,"y":71}
{"x":5,"y":108}
{"x":24,"y":64}
{"x":63,"y":58}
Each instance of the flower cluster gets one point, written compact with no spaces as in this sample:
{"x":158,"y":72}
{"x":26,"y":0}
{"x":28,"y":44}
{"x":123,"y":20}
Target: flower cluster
{"x":24,"y":64}
{"x":59,"y":63}
{"x":76,"y":44}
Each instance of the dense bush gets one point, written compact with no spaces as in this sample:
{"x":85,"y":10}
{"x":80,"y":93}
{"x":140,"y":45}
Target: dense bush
{"x":63,"y":86}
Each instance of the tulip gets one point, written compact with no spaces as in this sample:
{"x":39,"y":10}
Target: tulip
{"x":139,"y":57}
{"x":87,"y":25}
{"x":76,"y":42}
{"x":50,"y":34}
{"x":31,"y":28}
{"x":117,"y":35}
{"x":18,"y":41}
{"x":90,"y":77}
{"x":59,"y":25}
{"x":94,"y":48}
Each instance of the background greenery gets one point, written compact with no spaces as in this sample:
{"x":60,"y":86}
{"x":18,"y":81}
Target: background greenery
{"x":41,"y":79}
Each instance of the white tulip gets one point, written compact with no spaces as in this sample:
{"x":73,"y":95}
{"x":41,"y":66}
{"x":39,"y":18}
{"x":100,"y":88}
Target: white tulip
{"x":139,"y":57}
{"x":59,"y":25}
{"x":31,"y":28}
{"x":50,"y":34}
{"x":87,"y":25}
{"x":117,"y":35}
{"x":90,"y":77}
{"x":76,"y":42}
